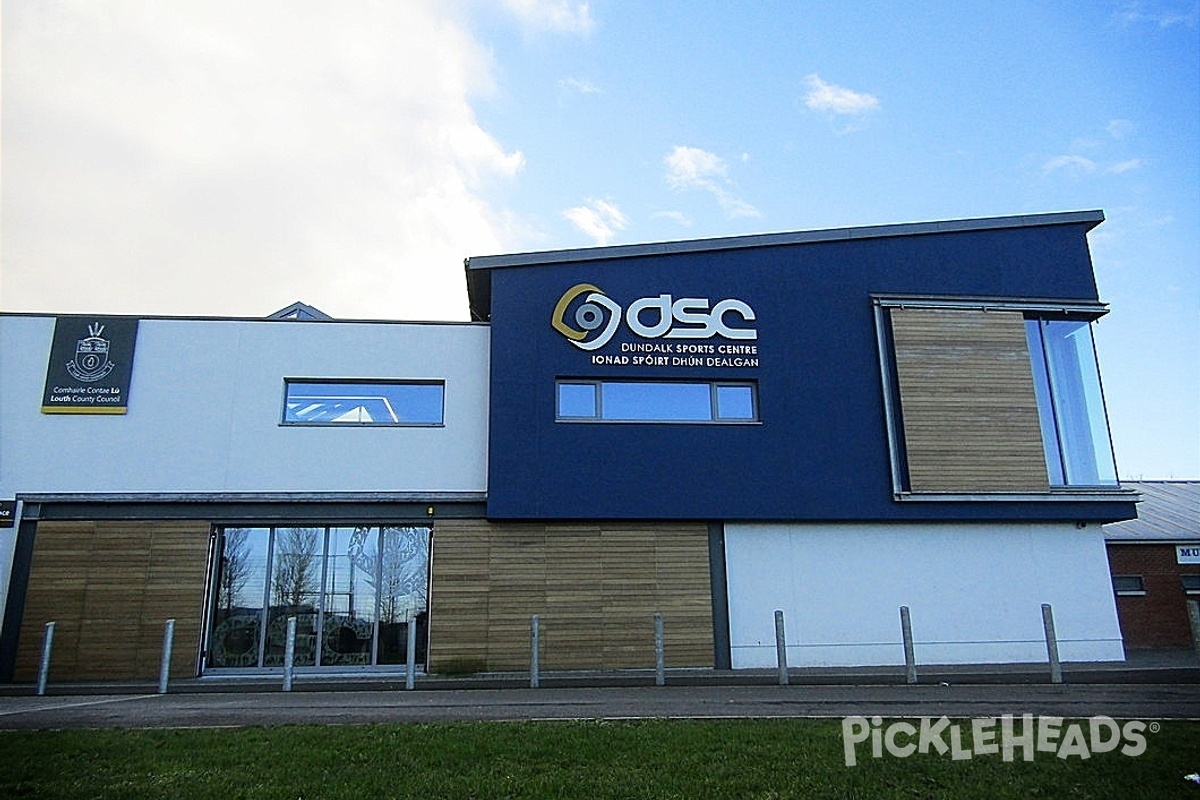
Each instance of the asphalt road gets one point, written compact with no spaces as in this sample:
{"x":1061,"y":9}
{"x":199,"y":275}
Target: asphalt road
{"x":233,"y":709}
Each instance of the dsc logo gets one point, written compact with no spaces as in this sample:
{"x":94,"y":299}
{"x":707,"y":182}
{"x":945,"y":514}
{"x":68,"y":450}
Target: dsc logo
{"x":597,"y":317}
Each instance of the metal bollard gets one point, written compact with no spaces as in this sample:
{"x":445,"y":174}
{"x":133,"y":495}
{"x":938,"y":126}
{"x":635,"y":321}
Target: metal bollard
{"x":660,"y":661}
{"x":44,"y":668}
{"x":534,"y":643}
{"x":289,"y":655}
{"x":781,"y":648}
{"x":1194,"y":617}
{"x":910,"y":656}
{"x":410,"y":657}
{"x":1056,"y":675}
{"x":164,"y":672}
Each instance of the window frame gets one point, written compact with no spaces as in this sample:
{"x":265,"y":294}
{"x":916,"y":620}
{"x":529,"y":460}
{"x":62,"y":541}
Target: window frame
{"x":289,"y":382}
{"x":1058,"y":441}
{"x":268,"y":602}
{"x":1184,"y":581}
{"x":714,"y":408}
{"x":1083,"y":310}
{"x":1136,"y":589}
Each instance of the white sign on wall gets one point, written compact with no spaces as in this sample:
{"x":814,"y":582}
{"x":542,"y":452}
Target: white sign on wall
{"x":1187,"y":554}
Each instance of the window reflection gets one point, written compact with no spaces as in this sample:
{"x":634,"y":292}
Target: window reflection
{"x":352,"y":590}
{"x":363,"y":403}
{"x":655,"y":401}
{"x":403,"y":590}
{"x":735,"y":402}
{"x":1070,"y":403}
{"x":579,"y":400}
{"x":349,"y":616}
{"x":241,"y":594}
{"x":295,"y":579}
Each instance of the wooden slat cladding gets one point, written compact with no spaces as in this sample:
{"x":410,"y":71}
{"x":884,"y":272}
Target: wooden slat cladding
{"x":967,"y":400}
{"x":595,"y":588}
{"x":110,"y":587}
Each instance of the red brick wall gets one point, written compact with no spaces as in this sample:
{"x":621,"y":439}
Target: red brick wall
{"x":1158,"y":619}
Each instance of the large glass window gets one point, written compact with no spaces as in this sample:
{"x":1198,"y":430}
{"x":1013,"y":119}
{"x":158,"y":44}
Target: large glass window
{"x":353,"y":590}
{"x":403,"y":563}
{"x":349,"y":612}
{"x":655,"y":401}
{"x":237,"y":620}
{"x":1070,"y":403}
{"x":327,"y":402}
{"x":295,"y":592}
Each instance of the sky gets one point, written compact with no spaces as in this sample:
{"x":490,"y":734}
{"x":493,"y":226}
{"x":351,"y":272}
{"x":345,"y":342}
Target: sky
{"x":209,"y":157}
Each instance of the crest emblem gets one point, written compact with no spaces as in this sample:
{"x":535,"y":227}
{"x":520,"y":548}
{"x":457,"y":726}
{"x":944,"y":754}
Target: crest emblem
{"x":91,"y":362}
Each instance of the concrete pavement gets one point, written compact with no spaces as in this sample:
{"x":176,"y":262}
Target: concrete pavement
{"x":229,"y":709}
{"x":1161,"y":686}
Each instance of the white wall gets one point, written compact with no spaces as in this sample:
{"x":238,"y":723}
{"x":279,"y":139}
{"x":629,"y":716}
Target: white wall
{"x":974,"y":592}
{"x":205,"y":403}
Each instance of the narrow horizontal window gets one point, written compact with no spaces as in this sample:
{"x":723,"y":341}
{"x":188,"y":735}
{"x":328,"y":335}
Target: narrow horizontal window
{"x":1129,"y":584}
{"x":1190,"y":583}
{"x":327,"y":402}
{"x":648,"y":402}
{"x":656,"y":401}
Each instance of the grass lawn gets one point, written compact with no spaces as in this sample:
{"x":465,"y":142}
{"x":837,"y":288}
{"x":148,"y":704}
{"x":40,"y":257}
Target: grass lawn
{"x":642,"y":759}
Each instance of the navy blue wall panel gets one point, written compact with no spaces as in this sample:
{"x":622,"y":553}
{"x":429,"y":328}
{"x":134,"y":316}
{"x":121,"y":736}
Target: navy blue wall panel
{"x":820,"y":450}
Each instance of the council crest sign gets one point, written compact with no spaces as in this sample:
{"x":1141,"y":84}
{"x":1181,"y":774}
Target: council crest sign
{"x":91,"y":363}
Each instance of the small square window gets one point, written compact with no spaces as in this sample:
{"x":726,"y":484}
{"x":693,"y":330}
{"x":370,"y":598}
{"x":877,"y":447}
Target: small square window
{"x":735,"y":402}
{"x":1129,"y":585}
{"x":577,"y":400}
{"x":1190,"y":583}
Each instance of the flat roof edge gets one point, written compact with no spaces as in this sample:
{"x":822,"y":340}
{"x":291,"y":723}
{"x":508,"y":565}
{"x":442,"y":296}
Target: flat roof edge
{"x":1089,"y":218}
{"x":260,"y":497}
{"x":271,"y":320}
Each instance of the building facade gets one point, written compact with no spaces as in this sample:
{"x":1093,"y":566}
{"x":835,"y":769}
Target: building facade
{"x":1155,"y":564}
{"x":832,"y":423}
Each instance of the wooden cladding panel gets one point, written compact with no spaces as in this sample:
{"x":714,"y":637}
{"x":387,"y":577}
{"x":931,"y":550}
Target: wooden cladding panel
{"x":109,"y":587}
{"x":595,"y":588}
{"x":967,"y":400}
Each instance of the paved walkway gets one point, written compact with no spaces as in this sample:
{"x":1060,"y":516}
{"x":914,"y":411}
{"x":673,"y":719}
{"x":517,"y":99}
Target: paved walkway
{"x":227,"y":709}
{"x":1147,"y":686}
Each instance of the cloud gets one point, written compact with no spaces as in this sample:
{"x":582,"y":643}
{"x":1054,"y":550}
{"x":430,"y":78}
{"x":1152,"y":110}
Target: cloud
{"x":677,"y":217}
{"x":1079,"y":166}
{"x":172,"y":158}
{"x":1124,"y":166}
{"x":689,"y":167}
{"x":833,"y":99}
{"x":570,"y":88}
{"x":579,"y":86}
{"x":1157,"y":14}
{"x":1072,"y":164}
{"x":694,"y":168}
{"x":599,"y":219}
{"x":1120,"y":128}
{"x":566,"y":16}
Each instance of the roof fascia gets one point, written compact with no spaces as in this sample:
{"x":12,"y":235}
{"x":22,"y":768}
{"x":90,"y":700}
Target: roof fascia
{"x":1088,"y":218}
